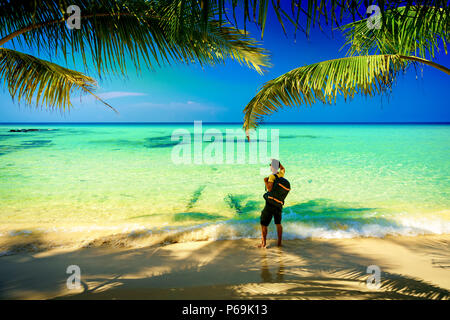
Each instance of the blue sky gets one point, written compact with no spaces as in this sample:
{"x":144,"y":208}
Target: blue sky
{"x":181,"y":93}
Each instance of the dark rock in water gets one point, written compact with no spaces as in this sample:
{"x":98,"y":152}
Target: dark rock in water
{"x":23,"y":130}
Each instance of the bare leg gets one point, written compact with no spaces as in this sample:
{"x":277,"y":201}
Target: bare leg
{"x":279,"y":233}
{"x":263,"y":236}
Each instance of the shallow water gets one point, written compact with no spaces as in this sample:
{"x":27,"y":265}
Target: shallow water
{"x":347,"y":181}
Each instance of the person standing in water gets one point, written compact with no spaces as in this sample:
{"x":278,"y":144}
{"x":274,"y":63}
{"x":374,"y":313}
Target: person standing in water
{"x":274,"y":201}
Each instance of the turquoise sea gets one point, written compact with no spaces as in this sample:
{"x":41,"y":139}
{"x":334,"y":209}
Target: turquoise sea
{"x":347,"y":181}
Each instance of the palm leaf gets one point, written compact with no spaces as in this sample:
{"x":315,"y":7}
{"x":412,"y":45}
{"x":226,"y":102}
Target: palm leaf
{"x":229,"y":42}
{"x":116,"y":31}
{"x":414,"y":31}
{"x":312,"y":12}
{"x":325,"y":81}
{"x":31,"y":79}
{"x":397,"y":285}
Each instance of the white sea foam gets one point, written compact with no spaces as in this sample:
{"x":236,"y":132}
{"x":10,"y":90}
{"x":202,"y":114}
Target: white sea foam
{"x":292,"y":229}
{"x":233,"y":229}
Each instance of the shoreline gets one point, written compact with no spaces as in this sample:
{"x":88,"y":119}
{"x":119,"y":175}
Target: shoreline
{"x":411,"y":268}
{"x":33,"y":238}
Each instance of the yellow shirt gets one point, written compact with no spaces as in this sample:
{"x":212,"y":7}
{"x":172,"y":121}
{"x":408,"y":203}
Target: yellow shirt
{"x":280,"y":174}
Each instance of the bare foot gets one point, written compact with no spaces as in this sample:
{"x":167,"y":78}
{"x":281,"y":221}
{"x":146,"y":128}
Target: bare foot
{"x":262,"y":246}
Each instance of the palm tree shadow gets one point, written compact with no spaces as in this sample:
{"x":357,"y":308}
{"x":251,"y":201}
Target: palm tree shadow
{"x":103,"y":285}
{"x":435,"y":249}
{"x":325,"y":279}
{"x":341,"y":275}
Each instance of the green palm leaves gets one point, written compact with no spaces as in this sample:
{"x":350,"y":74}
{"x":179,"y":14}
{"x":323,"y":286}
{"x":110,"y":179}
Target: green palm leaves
{"x":28,"y":78}
{"x":376,"y":56}
{"x":404,"y":31}
{"x":304,"y":15}
{"x":113,"y":34}
{"x":324,"y":81}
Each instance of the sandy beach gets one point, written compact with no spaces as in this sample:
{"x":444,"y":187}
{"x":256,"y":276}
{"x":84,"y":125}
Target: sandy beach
{"x":411,"y":268}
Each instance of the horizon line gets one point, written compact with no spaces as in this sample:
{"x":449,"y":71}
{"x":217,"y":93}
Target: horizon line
{"x":225,"y":122}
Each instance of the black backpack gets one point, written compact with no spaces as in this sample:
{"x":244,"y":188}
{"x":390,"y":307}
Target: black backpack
{"x":280,"y":190}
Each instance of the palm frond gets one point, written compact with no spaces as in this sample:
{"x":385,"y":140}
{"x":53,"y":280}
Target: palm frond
{"x":309,"y":13}
{"x":397,"y":285}
{"x":116,"y":31}
{"x":325,"y":81}
{"x":415,"y":31}
{"x":229,"y":42}
{"x":31,"y":79}
{"x":217,"y":41}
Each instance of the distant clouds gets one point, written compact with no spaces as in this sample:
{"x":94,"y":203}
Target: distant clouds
{"x":119,"y":94}
{"x":175,"y":105}
{"x":188,"y":105}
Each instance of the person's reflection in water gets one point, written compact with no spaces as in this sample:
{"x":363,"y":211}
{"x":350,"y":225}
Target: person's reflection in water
{"x":266,"y":275}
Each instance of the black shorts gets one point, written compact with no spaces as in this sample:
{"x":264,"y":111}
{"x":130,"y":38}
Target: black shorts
{"x":269,"y":211}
